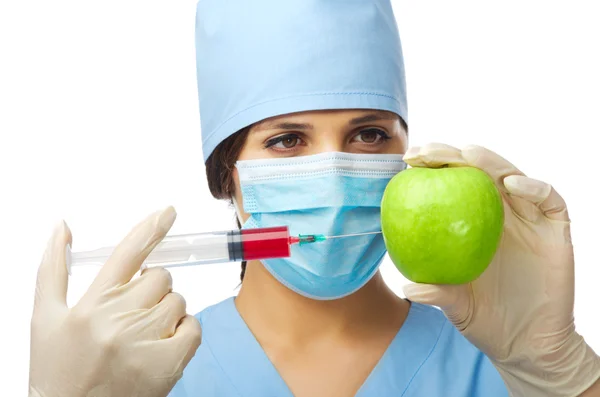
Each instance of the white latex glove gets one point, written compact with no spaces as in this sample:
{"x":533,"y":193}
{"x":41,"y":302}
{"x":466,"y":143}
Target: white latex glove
{"x":124,"y":337}
{"x":519,"y":312}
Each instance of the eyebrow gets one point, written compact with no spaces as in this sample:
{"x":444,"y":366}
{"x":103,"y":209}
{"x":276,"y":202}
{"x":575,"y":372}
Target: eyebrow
{"x":307,"y":126}
{"x":285,"y":126}
{"x":373,"y":117}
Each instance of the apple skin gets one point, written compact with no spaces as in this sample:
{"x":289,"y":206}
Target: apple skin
{"x":442,"y":225}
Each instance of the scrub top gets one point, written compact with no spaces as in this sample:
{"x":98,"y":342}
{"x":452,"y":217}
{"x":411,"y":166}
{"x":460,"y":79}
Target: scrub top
{"x":428,"y":357}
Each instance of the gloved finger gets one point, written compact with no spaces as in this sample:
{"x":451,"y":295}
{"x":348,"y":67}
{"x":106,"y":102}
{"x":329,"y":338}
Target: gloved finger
{"x":52,"y":277}
{"x":434,"y":155}
{"x":183,"y":344}
{"x":525,"y":195}
{"x":542,"y":194}
{"x":169,"y":312}
{"x":147,"y":290}
{"x":454,"y":300}
{"x":129,"y":255}
{"x":525,"y":209}
{"x":493,"y":164}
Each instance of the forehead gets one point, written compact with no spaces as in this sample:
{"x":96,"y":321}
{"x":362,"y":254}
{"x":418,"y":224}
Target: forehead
{"x":343,"y":116}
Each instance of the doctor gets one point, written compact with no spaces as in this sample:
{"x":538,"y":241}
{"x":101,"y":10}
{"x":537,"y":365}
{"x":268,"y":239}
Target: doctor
{"x":304,"y":121}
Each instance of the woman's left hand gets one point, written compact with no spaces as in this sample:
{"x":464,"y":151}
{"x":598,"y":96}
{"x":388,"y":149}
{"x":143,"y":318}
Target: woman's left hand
{"x":519,"y":312}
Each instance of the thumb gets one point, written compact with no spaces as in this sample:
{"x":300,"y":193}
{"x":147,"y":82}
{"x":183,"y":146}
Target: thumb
{"x":52,"y":278}
{"x":454,"y":300}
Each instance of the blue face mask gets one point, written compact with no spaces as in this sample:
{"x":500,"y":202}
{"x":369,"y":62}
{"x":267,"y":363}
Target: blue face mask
{"x":330,"y":194}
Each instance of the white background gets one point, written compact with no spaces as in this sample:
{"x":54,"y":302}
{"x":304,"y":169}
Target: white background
{"x":99,"y":125}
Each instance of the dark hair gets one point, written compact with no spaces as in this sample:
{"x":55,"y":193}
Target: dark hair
{"x":219,"y":170}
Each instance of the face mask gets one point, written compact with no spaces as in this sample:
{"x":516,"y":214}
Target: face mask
{"x":330,"y":194}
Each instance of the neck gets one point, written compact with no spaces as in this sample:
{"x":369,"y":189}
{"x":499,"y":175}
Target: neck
{"x":270,"y":309}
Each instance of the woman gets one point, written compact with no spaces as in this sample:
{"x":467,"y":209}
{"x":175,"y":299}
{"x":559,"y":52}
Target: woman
{"x":304,"y":122}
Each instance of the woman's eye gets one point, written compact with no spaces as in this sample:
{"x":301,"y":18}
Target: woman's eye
{"x":289,"y":142}
{"x":371,"y":136}
{"x":283,"y":142}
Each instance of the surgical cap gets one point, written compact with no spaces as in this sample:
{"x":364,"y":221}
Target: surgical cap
{"x":263,"y":58}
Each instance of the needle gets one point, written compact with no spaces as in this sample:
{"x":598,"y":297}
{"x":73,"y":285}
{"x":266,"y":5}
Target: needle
{"x":315,"y":238}
{"x":352,"y":235}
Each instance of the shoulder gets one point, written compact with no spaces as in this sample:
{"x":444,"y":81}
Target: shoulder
{"x":204,"y":374}
{"x":216,"y":310}
{"x":452,"y":366}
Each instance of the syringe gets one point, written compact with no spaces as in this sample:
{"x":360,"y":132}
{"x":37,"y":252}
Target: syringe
{"x":207,"y":248}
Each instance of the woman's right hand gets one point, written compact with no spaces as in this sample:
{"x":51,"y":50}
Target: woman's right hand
{"x":124,"y":337}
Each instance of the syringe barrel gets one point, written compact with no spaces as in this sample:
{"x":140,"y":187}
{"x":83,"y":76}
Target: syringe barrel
{"x":263,"y":243}
{"x":221,"y":247}
{"x":204,"y":248}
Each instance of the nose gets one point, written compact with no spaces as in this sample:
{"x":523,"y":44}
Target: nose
{"x":330,"y":141}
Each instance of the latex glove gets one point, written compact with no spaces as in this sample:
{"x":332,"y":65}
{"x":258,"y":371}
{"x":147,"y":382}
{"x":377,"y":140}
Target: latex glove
{"x":124,"y":337}
{"x":519,"y":312}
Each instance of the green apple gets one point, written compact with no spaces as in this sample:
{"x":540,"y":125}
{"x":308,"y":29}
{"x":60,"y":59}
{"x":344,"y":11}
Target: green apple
{"x":442,"y":225}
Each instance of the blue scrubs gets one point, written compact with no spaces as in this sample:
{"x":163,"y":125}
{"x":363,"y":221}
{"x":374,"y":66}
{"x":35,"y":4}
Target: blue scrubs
{"x":428,"y":357}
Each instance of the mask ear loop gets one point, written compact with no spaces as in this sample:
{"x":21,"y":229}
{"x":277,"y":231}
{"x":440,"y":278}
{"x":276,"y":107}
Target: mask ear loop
{"x":238,"y":212}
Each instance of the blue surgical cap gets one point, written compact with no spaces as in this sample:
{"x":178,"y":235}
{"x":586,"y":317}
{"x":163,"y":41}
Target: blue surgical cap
{"x":263,"y":58}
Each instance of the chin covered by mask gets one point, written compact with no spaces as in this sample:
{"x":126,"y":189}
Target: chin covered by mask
{"x":328,"y":193}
